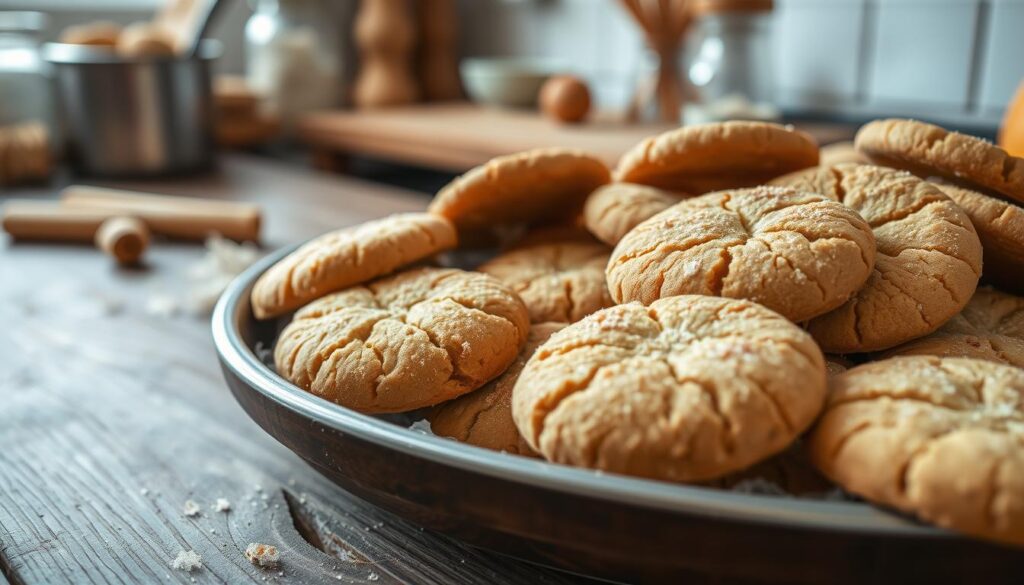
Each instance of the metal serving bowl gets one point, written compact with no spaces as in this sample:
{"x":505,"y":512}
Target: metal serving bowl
{"x":603,"y":525}
{"x":134,"y":117}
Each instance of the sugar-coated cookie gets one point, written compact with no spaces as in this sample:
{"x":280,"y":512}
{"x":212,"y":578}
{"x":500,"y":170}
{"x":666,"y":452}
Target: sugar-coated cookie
{"x":690,"y":388}
{"x":616,"y":208}
{"x":929,"y":150}
{"x":525,"y":188}
{"x":927,"y":263}
{"x":407,"y":341}
{"x":1000,"y":226}
{"x":349,"y":256}
{"x":484,"y":417}
{"x":936,"y":437}
{"x":723,"y":155}
{"x":560,"y":281}
{"x":991,"y":327}
{"x":796,"y":252}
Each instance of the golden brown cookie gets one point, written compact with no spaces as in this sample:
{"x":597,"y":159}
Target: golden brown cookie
{"x":525,"y":188}
{"x":484,"y":417}
{"x":991,"y":327}
{"x":403,"y":342}
{"x":100,"y":33}
{"x":1000,"y":226}
{"x":349,"y":256}
{"x":936,"y":437}
{"x":841,"y":152}
{"x":614,"y":209}
{"x":795,"y":252}
{"x":561,"y":281}
{"x":928,"y":150}
{"x":723,"y":155}
{"x":927,"y":263}
{"x":690,"y":388}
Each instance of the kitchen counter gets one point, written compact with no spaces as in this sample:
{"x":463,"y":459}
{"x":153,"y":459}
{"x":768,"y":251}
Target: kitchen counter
{"x":113,"y":417}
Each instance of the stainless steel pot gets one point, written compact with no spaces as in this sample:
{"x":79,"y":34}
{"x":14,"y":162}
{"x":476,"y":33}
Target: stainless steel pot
{"x":134,"y":117}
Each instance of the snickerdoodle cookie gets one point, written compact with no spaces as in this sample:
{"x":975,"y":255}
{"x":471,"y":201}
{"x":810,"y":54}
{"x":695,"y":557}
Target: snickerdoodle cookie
{"x":410,"y":340}
{"x":349,"y":256}
{"x":484,"y":417}
{"x":928,"y":150}
{"x":528,"y":187}
{"x":795,"y":252}
{"x":559,"y":281}
{"x":936,"y":437}
{"x":1000,"y":226}
{"x":927,"y":263}
{"x":614,"y":209}
{"x":723,"y":155}
{"x":688,"y":389}
{"x":991,"y":327}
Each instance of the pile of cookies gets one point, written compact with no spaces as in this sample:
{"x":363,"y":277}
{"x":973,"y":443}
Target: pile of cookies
{"x":717,"y":306}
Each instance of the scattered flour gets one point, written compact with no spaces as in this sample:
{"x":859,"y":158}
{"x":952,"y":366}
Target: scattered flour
{"x":187,"y":560}
{"x":221,"y":505}
{"x":191,"y":509}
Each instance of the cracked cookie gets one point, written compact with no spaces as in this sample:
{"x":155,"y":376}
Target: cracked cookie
{"x":407,"y":341}
{"x":928,"y":150}
{"x":690,"y":388}
{"x":484,"y":417}
{"x":349,"y":256}
{"x":525,"y":188}
{"x":559,"y":281}
{"x":991,"y":327}
{"x":796,"y":252}
{"x":1000,"y":226}
{"x":724,"y":155}
{"x":614,"y":209}
{"x":927,"y":261}
{"x":939,"y":438}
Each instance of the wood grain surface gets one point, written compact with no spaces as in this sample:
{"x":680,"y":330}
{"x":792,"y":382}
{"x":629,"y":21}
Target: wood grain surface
{"x":112,"y":418}
{"x":459,"y":136}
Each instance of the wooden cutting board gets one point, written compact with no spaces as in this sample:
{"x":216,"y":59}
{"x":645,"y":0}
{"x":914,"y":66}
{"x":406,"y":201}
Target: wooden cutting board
{"x":458,"y":136}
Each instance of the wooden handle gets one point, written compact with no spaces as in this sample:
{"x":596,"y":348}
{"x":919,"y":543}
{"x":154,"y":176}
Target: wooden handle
{"x":177,"y":217}
{"x":46,"y":220}
{"x":123,"y":238}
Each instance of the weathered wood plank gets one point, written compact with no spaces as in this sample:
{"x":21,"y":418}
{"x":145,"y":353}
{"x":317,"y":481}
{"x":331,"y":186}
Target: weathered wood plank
{"x":112,"y":418}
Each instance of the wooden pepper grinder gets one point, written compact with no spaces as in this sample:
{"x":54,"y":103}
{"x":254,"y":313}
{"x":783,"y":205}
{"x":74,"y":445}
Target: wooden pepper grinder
{"x":385,"y":35}
{"x":439,"y":66}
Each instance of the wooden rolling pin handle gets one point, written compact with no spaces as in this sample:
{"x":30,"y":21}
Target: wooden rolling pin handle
{"x":123,"y":238}
{"x":177,"y":217}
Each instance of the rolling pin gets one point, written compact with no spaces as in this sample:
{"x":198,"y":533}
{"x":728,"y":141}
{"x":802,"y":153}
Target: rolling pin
{"x":49,"y":221}
{"x":176,"y":217}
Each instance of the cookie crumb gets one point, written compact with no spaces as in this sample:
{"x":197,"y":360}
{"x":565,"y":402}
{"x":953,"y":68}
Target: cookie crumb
{"x":190,"y":509}
{"x":222,"y":505}
{"x":262,"y":555}
{"x":372,"y":576}
{"x":187,"y":560}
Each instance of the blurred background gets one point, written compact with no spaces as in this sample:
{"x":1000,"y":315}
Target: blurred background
{"x":624,"y":69}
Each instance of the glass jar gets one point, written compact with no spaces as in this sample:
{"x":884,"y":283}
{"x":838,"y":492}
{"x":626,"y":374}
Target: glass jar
{"x":731,"y":64}
{"x":24,"y":86}
{"x":293,"y":56}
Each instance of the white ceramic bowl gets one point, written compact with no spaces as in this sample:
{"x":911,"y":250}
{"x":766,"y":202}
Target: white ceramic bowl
{"x":508,"y":83}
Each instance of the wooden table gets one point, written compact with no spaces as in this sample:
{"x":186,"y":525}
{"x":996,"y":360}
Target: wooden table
{"x":112,"y":418}
{"x":458,"y":136}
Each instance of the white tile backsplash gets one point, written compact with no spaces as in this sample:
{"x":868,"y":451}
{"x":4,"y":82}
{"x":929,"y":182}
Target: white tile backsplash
{"x":922,"y":53}
{"x":1002,"y":68}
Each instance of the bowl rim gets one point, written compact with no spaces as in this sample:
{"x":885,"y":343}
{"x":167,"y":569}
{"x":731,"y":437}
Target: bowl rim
{"x":789,"y":512}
